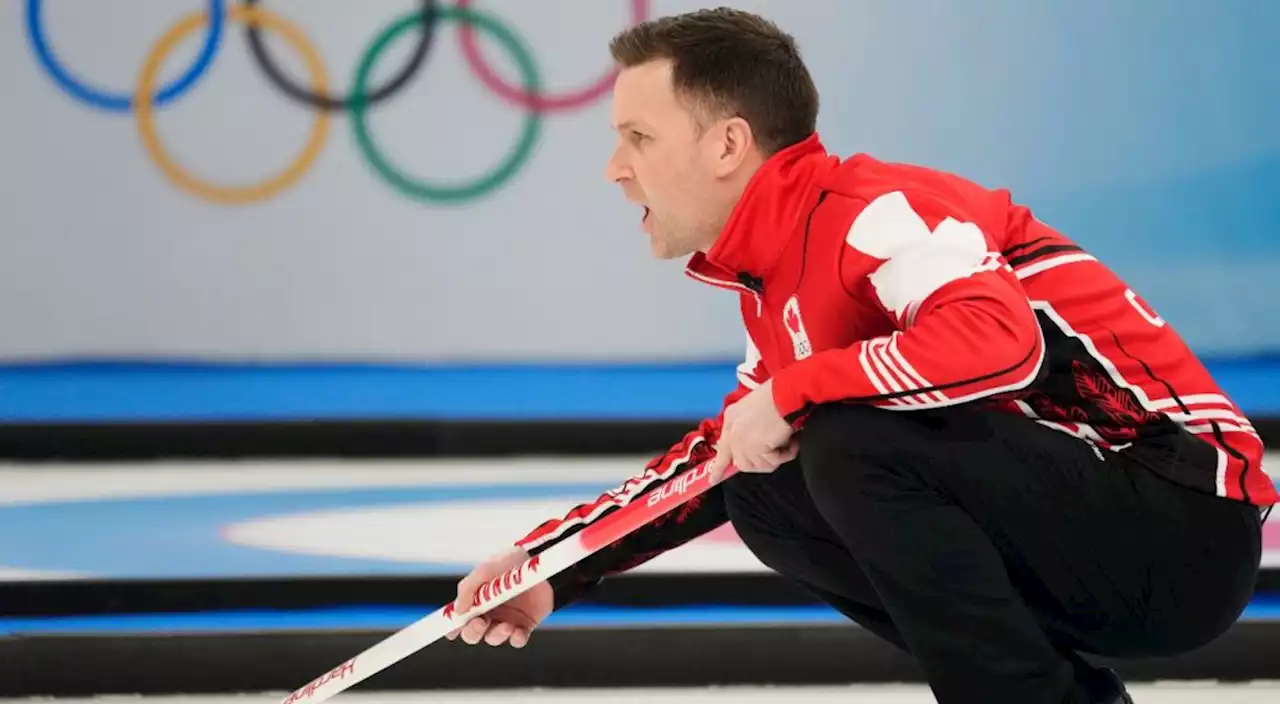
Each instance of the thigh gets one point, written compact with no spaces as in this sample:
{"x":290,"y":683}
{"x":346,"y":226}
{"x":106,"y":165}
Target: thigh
{"x":1087,"y":538}
{"x":776,"y":519}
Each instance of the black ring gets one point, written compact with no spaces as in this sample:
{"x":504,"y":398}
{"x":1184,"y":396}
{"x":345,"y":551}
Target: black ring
{"x":328,"y":102}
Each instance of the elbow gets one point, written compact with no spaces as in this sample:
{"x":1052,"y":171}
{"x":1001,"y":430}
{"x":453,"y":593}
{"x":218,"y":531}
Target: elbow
{"x":1017,"y":343}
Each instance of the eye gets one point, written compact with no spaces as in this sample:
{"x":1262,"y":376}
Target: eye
{"x":636,"y":137}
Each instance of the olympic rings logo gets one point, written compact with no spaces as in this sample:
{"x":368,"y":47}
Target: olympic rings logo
{"x":317,"y":95}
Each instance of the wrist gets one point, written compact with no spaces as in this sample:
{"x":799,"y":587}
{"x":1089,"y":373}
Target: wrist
{"x":787,"y":392}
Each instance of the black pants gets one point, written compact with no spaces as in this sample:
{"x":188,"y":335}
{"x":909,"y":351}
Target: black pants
{"x":994,"y":549}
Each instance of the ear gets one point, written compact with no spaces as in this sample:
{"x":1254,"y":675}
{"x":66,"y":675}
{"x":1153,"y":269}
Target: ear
{"x":736,"y":144}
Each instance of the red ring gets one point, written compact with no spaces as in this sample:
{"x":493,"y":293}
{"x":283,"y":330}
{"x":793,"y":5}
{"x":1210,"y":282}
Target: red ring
{"x":540,"y":103}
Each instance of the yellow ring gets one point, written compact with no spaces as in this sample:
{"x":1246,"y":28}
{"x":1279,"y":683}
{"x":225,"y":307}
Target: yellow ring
{"x":146,"y":116}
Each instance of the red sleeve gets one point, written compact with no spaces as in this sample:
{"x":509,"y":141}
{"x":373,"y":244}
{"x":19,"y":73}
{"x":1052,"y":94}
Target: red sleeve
{"x":965,"y":329}
{"x":701,"y":515}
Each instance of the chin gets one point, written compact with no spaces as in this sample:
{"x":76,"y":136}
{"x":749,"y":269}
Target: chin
{"x":663,"y":250}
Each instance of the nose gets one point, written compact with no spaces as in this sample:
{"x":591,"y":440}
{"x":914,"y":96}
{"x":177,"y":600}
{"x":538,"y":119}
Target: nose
{"x":617,"y":169}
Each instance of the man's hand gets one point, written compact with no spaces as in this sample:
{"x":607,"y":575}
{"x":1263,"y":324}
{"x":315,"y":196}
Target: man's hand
{"x":512,"y":621}
{"x":755,"y":437}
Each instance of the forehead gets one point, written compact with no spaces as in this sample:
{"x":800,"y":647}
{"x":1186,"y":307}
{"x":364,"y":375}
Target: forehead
{"x":644,"y":93}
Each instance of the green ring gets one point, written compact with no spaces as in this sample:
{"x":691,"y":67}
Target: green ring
{"x":487,"y":182}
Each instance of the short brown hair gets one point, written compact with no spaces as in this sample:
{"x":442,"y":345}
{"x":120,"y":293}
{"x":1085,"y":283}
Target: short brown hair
{"x":731,"y":62}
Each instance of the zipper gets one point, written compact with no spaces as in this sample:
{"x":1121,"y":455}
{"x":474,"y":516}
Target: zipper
{"x":756,"y":286}
{"x":739,"y":286}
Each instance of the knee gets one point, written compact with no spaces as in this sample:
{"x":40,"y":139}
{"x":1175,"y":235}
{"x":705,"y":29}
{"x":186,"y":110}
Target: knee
{"x":1169,"y":633}
{"x":746,"y":500}
{"x":1166,"y":640}
{"x":761,"y":529}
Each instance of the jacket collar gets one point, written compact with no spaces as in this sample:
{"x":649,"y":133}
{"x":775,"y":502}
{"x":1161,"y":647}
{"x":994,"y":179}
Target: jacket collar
{"x":763,"y":220}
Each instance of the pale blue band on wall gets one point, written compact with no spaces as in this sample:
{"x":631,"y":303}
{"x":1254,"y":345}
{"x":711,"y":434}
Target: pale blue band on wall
{"x":201,"y":393}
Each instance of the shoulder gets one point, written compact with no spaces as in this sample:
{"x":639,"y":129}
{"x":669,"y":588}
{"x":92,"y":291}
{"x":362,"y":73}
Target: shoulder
{"x":888,"y":206}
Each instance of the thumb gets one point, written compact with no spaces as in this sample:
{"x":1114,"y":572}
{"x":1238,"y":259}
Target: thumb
{"x":790,"y":451}
{"x":467,"y":591}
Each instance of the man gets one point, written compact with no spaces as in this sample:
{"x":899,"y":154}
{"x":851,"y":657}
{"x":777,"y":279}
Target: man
{"x":952,"y":424}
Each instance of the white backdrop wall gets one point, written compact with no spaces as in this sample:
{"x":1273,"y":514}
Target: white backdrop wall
{"x":1145,"y":130}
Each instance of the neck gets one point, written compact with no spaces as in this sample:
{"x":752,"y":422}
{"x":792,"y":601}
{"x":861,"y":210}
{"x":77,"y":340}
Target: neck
{"x":735,"y":188}
{"x":767,"y":201}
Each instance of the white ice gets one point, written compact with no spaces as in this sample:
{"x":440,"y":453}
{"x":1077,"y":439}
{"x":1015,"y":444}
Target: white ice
{"x":1157,"y":693}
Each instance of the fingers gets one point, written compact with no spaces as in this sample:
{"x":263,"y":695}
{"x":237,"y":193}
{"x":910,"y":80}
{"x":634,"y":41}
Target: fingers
{"x":494,"y":634}
{"x":465,"y":599}
{"x":745,"y":458}
{"x":792,"y":450}
{"x":472,"y":631}
{"x":765,"y":460}
{"x":467,"y":592}
{"x":715,"y":470}
{"x":494,"y":628}
{"x":780,"y":456}
{"x":462,"y":603}
{"x":499,"y":633}
{"x":727,"y":454}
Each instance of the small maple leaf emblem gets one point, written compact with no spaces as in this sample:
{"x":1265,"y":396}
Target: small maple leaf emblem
{"x":795,"y":328}
{"x":793,"y":320}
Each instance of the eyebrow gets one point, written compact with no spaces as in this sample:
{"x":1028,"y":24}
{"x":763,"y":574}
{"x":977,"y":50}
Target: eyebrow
{"x":626,"y":125}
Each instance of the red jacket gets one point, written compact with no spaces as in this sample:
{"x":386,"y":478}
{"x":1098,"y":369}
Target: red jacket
{"x":907,"y":288}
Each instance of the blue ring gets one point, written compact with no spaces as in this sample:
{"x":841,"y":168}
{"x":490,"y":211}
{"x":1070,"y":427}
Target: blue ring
{"x":66,"y":535}
{"x":122,"y":103}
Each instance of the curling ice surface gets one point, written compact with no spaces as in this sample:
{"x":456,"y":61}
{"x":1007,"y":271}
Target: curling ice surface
{"x":1160,"y":693}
